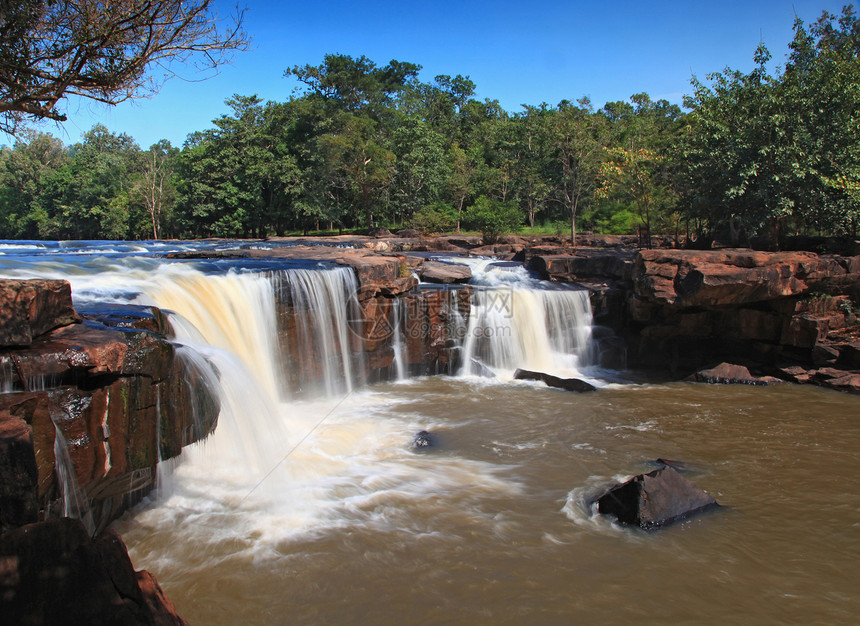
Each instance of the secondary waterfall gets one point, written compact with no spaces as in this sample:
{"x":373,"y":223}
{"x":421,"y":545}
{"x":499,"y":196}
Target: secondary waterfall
{"x":518,"y":321}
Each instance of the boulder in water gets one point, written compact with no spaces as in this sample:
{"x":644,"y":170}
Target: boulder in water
{"x":655,"y":499}
{"x":423,"y":439}
{"x":445,"y":273}
{"x":569,"y":384}
{"x":730,"y":374}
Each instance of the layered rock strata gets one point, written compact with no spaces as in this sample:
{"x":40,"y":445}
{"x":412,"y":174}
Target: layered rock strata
{"x":684,"y":309}
{"x":88,"y":410}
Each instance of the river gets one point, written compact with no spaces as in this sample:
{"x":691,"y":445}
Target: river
{"x":493,"y":526}
{"x":319,"y":510}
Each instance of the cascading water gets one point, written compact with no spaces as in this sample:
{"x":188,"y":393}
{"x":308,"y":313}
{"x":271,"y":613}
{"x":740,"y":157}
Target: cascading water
{"x":400,"y":347}
{"x":74,"y":502}
{"x":517,"y":321}
{"x":323,"y":304}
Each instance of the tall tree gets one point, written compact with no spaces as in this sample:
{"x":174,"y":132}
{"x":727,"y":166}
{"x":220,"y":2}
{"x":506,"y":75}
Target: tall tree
{"x":154,"y":188}
{"x":358,"y":163}
{"x":769,"y":151}
{"x":23,"y":170}
{"x":639,"y":169}
{"x":349,"y":84}
{"x":90,"y":199}
{"x":577,"y":136}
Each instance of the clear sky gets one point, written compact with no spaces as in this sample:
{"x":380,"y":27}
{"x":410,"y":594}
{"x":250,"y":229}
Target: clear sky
{"x":516,"y":51}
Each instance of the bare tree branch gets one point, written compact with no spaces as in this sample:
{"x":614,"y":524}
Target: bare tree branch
{"x":103,"y":50}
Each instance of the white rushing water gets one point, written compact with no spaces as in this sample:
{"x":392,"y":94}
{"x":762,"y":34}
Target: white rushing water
{"x":517,"y":321}
{"x":278,"y":467}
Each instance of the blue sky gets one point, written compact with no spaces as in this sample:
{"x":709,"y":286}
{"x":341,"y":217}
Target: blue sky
{"x":516,"y":51}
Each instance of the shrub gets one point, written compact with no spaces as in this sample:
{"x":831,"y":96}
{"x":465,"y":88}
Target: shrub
{"x":438,"y":217}
{"x":493,"y":218}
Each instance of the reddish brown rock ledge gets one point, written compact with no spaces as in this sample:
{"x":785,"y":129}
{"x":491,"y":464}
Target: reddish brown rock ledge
{"x":684,"y":310}
{"x":105,"y":400}
{"x":53,"y":573}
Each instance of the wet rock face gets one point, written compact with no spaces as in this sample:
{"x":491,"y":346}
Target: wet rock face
{"x":19,"y":476}
{"x":116,"y":429}
{"x":29,"y":308}
{"x":113,"y":397}
{"x":654,"y":499}
{"x":685,"y":308}
{"x":53,"y":573}
{"x":119,"y":397}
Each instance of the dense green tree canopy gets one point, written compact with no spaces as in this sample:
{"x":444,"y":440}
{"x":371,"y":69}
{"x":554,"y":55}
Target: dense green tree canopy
{"x":360,"y":144}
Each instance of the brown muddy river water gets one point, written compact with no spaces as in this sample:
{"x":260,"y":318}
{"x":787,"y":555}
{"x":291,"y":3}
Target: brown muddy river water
{"x":493,"y":526}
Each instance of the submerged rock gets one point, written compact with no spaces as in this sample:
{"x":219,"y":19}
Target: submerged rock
{"x":479,"y":369}
{"x":654,"y":499}
{"x":680,"y":466}
{"x":423,"y":439}
{"x":569,"y":384}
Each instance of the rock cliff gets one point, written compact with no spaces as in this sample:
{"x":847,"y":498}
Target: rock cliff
{"x":686,"y":309}
{"x":89,"y":407}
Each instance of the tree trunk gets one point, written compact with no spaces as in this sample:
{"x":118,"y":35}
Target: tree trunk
{"x":460,"y":212}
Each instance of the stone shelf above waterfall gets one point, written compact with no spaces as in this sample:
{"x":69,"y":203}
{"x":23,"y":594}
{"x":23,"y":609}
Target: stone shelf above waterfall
{"x":377,"y":274}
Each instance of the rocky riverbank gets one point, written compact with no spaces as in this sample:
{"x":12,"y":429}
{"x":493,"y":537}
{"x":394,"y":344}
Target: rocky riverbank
{"x":90,"y":406}
{"x":793,"y":315}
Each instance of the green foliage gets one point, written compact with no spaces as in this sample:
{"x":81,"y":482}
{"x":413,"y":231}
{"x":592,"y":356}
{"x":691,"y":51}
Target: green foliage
{"x":493,"y":218}
{"x":439,"y":217}
{"x":612,"y":218}
{"x":366,"y":144}
{"x":764,"y":151}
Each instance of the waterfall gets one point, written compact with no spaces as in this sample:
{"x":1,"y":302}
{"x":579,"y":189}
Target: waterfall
{"x":541,"y":330}
{"x":231,"y":336}
{"x":400,"y":347}
{"x":518,"y":321}
{"x":7,"y":375}
{"x":323,"y":306}
{"x":74,"y":502}
{"x":235,"y":312}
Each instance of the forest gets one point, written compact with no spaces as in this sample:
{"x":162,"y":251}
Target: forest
{"x":772,"y":151}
